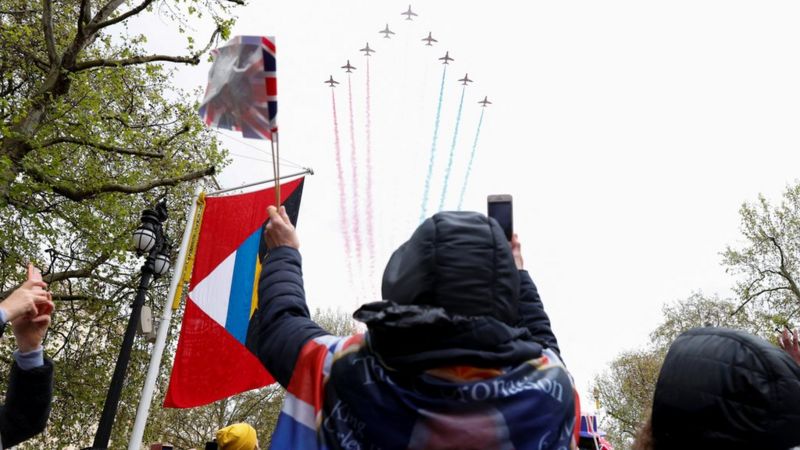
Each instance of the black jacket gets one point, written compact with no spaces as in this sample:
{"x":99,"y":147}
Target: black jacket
{"x":726,"y":389}
{"x":27,"y":407}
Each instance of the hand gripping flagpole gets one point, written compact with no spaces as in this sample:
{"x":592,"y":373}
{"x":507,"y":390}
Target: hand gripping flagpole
{"x":166,"y":316}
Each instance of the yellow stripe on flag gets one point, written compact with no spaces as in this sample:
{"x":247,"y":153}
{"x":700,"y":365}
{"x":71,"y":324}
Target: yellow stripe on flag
{"x":254,"y":303}
{"x":186,"y":275}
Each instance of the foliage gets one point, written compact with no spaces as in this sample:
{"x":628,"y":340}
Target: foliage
{"x":768,"y":266}
{"x":92,"y":130}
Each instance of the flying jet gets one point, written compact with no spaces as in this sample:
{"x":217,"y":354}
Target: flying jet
{"x":386,"y":32}
{"x":465,"y":80}
{"x":408,"y":13}
{"x":485,"y":102}
{"x":446,"y":58}
{"x":348,"y":68}
{"x":332,"y":82}
{"x":429,"y":39}
{"x":367,"y":50}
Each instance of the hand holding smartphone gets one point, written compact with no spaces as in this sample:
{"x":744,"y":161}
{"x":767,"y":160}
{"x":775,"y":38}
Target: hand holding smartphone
{"x":500,"y":209}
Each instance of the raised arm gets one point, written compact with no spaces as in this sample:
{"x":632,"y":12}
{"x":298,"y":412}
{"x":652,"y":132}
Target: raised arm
{"x":30,"y":384}
{"x":282,"y":322}
{"x":531,"y":310}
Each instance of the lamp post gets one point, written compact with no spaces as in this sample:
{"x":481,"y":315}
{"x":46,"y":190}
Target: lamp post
{"x":149,"y":240}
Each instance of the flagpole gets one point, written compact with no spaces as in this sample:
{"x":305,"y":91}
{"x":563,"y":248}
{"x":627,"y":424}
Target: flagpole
{"x":146,"y":398}
{"x":276,"y":166}
{"x":306,"y":171}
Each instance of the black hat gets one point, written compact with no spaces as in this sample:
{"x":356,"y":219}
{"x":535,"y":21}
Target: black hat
{"x":726,"y":389}
{"x":459,"y":261}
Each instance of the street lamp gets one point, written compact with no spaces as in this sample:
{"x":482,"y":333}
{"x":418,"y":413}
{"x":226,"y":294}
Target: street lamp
{"x":148,"y":240}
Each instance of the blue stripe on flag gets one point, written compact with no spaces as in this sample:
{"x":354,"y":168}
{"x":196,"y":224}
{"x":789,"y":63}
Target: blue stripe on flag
{"x":241,"y":299}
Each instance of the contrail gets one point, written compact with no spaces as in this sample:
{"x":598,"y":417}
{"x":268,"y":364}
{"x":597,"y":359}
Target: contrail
{"x":343,"y":222}
{"x":471,"y":159}
{"x":433,"y":149}
{"x":452,"y":150}
{"x":369,"y":212}
{"x":354,"y":166}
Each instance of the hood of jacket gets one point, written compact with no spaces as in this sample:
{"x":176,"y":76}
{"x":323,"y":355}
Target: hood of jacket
{"x":722,"y":388}
{"x":451,"y":296}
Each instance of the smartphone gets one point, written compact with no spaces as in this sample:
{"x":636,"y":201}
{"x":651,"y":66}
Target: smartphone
{"x":499,"y":209}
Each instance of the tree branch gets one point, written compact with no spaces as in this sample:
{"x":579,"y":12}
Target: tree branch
{"x":73,"y":297}
{"x":77,"y":194}
{"x":101,"y":146}
{"x":47,"y":26}
{"x":83,"y":272}
{"x":84,"y":16}
{"x":106,"y":11}
{"x":84,"y":65}
{"x":192,"y":59}
{"x":757,"y":294}
{"x":784,"y":271}
{"x":139,"y":8}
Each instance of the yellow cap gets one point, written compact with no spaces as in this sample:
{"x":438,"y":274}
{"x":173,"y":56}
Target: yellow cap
{"x":239,"y":436}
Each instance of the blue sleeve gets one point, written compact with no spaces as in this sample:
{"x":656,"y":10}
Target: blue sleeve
{"x":281,"y":325}
{"x":31,"y":359}
{"x":532,"y":314}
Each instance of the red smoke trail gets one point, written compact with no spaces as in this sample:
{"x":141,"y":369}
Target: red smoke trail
{"x":354,"y":166}
{"x":343,"y":222}
{"x":369,"y":212}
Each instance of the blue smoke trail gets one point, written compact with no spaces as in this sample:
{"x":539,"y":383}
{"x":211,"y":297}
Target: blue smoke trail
{"x":452,"y":150}
{"x":433,"y":149}
{"x":471,"y":159}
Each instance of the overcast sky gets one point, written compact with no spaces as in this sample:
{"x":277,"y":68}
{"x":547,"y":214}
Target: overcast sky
{"x":628,"y":132}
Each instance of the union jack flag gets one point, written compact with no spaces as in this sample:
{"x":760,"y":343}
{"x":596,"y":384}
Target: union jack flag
{"x":242,"y":90}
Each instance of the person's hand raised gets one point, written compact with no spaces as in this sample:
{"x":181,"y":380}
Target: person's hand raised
{"x":790,"y":343}
{"x":516,"y":251}
{"x":279,"y":231}
{"x":30,"y":326}
{"x":26,"y":300}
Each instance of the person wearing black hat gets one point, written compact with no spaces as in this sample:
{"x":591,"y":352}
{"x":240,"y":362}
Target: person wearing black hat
{"x":459,"y":354}
{"x":724,"y":389}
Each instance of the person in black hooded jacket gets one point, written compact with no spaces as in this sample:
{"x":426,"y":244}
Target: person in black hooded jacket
{"x":459,"y":354}
{"x":724,"y":389}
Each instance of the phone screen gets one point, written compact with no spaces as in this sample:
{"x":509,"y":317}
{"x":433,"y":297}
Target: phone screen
{"x":501,"y":212}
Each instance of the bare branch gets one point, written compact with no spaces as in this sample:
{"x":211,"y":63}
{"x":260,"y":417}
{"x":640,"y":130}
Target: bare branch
{"x":84,"y":16}
{"x":73,"y":193}
{"x":785,"y":271}
{"x":101,"y":146}
{"x":106,"y":11}
{"x":74,"y":297}
{"x":192,"y":59}
{"x":47,"y":26}
{"x":83,"y":272}
{"x":238,"y":2}
{"x":757,"y":294}
{"x":139,"y":8}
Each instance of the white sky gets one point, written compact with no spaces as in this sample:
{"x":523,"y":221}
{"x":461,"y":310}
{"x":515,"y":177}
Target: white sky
{"x":628,"y":132}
